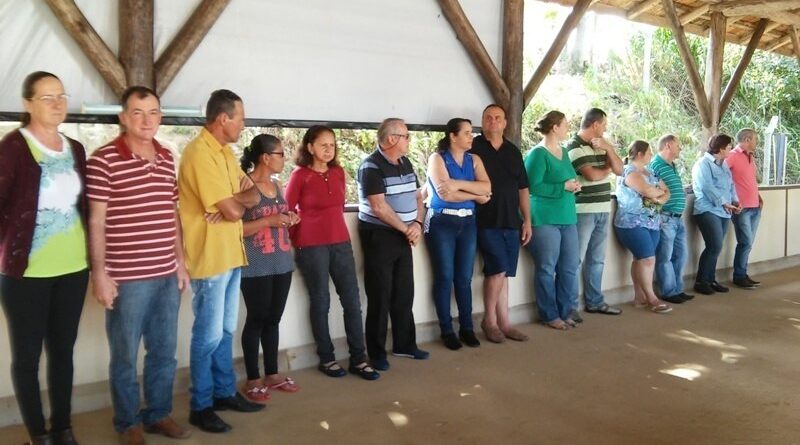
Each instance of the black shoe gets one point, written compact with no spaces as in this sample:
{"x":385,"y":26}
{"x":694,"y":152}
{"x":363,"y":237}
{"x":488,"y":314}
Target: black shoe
{"x":365,"y":372}
{"x":703,"y":288}
{"x":686,"y":297}
{"x":718,"y":287}
{"x":381,"y":364}
{"x":44,"y":439}
{"x":752,"y":281}
{"x":604,"y":309}
{"x":237,"y":402}
{"x":416,"y":354}
{"x":744,"y":283}
{"x":332,"y":369}
{"x":674,"y":299}
{"x":64,"y":437}
{"x":469,"y":338}
{"x":451,"y":341}
{"x":208,"y":421}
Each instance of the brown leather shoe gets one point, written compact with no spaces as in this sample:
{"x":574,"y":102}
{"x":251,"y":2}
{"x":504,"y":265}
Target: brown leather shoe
{"x":168,"y":427}
{"x":44,"y":439}
{"x":132,"y":436}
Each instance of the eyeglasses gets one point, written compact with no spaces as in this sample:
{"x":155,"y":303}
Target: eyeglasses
{"x":50,"y":99}
{"x":406,"y":136}
{"x":277,"y":153}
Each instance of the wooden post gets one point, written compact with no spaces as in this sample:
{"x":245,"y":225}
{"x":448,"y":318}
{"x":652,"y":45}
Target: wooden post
{"x":716,"y":51}
{"x":700,"y":99}
{"x":186,"y":41}
{"x":477,"y":52}
{"x":555,"y":50}
{"x":106,"y":63}
{"x":136,"y":41}
{"x":736,"y":78}
{"x":795,"y":41}
{"x":513,"y":18}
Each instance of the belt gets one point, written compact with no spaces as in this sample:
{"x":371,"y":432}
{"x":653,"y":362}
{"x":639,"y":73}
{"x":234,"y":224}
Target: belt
{"x":461,"y":213}
{"x":676,"y":215}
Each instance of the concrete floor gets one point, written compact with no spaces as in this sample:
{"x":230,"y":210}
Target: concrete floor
{"x":721,"y":369}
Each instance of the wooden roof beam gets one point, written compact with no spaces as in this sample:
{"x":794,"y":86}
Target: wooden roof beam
{"x":641,"y":8}
{"x":689,"y":63}
{"x":755,"y":7}
{"x":92,"y":45}
{"x":549,"y":59}
{"x":136,"y":41}
{"x":779,"y":43}
{"x":472,"y":44}
{"x":694,"y":14}
{"x":186,"y":41}
{"x":770,"y":27}
{"x":738,"y":73}
{"x":513,"y":24}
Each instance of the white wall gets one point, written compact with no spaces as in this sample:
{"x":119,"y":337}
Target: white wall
{"x":355,"y":60}
{"x":91,"y":351}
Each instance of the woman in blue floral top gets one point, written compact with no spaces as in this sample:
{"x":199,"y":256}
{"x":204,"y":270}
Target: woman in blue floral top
{"x":640,"y":195}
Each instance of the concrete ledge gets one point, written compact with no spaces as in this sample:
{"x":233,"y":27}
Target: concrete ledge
{"x":94,"y":396}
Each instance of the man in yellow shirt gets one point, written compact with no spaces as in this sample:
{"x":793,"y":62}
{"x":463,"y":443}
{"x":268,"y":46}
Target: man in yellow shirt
{"x":211,"y":207}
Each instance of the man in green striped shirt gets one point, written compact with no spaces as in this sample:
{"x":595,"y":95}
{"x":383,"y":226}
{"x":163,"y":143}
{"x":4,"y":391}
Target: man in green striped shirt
{"x":593,"y":158}
{"x":671,"y":252}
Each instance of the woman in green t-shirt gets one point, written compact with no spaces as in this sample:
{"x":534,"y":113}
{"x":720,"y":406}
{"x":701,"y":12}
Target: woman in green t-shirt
{"x":555,"y":240}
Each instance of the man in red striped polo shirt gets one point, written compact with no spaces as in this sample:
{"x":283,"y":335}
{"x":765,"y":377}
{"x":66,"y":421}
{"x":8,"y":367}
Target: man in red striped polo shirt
{"x":138,"y":271}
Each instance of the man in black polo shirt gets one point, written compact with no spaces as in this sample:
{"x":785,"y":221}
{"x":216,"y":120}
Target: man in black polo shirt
{"x":504,"y":223}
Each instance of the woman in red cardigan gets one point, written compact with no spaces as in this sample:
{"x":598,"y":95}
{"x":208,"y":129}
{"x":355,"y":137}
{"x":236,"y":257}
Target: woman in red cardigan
{"x":43,"y":254}
{"x":316,"y":191}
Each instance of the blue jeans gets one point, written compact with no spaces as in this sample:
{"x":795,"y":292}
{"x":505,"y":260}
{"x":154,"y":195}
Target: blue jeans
{"x":555,"y":258}
{"x":671,"y":256}
{"x":216,"y":309}
{"x":319,"y":265}
{"x":745,"y":224}
{"x":592,"y":235}
{"x":713,"y":229}
{"x":143,"y":309}
{"x":452,"y":241}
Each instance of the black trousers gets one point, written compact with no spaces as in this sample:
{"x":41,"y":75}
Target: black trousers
{"x":43,"y":311}
{"x":265,"y":298}
{"x":389,"y":285}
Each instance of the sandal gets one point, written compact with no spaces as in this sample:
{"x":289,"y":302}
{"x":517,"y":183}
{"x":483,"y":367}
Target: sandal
{"x":365,"y":371}
{"x":256,"y":394}
{"x":558,"y":324}
{"x":332,"y":369}
{"x":660,"y":308}
{"x":604,"y":309}
{"x":572,"y":323}
{"x":287,"y":385}
{"x":515,"y":335}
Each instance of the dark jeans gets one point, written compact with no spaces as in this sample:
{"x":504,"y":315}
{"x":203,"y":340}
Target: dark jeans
{"x":451,"y":241}
{"x":43,"y":310}
{"x":316,"y":265}
{"x":389,"y":282}
{"x":713,"y":229}
{"x":265,"y":298}
{"x":144,"y":309}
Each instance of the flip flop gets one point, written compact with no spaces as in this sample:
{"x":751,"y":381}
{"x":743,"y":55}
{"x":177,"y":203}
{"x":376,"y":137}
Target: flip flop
{"x":660,"y":308}
{"x":287,"y":385}
{"x":257,"y":394}
{"x":558,"y":324}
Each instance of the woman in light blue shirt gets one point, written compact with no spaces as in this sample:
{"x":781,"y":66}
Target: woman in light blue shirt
{"x":715,"y":202}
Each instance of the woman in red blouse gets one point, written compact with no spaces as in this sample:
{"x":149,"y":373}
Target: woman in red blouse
{"x":316,"y":191}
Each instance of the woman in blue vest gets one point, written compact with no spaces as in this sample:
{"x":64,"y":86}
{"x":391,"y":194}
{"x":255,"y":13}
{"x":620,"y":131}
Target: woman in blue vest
{"x":456,"y":181}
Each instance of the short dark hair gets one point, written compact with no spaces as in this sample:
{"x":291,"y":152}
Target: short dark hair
{"x":221,"y":101}
{"x":548,"y":121}
{"x":260,"y":145}
{"x":592,"y":116}
{"x":304,"y":158}
{"x":453,"y":127}
{"x":717,"y":142}
{"x":28,"y":90}
{"x":140,"y":92}
{"x":488,"y":107}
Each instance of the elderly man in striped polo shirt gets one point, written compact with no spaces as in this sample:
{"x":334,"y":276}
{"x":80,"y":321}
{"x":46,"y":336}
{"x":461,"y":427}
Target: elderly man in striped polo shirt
{"x":389,"y":224}
{"x":671,"y":251}
{"x":138,"y":270}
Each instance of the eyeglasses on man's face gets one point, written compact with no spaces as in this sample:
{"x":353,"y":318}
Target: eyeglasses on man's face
{"x":50,"y":99}
{"x":406,"y":136}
